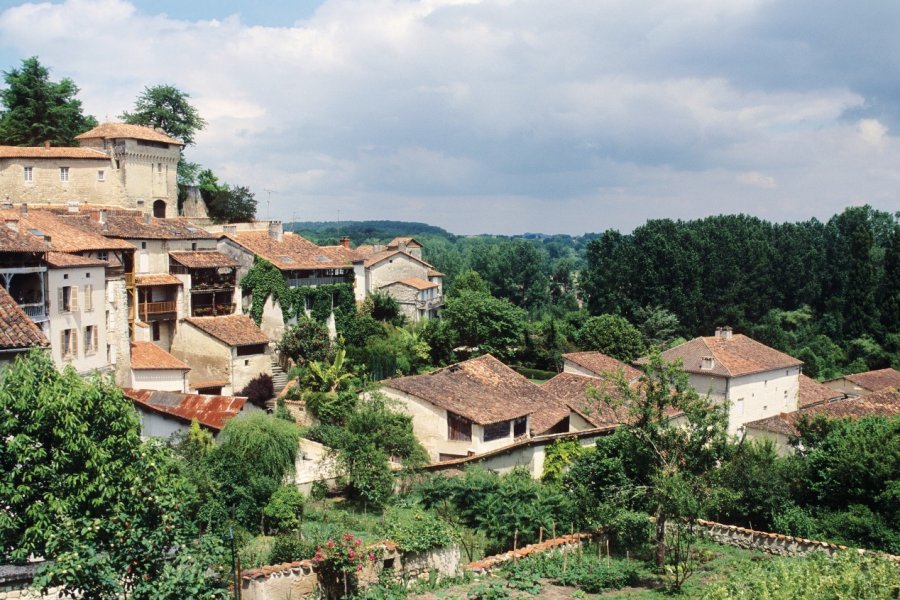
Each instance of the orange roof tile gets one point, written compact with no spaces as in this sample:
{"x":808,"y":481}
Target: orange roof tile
{"x":883,"y":403}
{"x":602,"y":365}
{"x":573,"y":390}
{"x":20,"y":241}
{"x":51,"y":152}
{"x":373,"y":259}
{"x":63,"y":260}
{"x":147,"y":355}
{"x":291,"y":253}
{"x":875,"y":380}
{"x":137,"y":227}
{"x":733,"y":357}
{"x":414,"y":282}
{"x":395,"y":243}
{"x":234,"y":330}
{"x":210,"y":411}
{"x":433,"y":273}
{"x":64,"y":235}
{"x":202,"y":259}
{"x":17,"y":330}
{"x":156,"y":279}
{"x":111,"y":131}
{"x":812,"y":392}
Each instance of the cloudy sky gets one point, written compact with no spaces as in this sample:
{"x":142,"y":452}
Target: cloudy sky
{"x":506,"y":116}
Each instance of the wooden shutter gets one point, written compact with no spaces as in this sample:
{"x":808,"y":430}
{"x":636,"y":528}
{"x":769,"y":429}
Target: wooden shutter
{"x":74,"y":341}
{"x":63,"y":346}
{"x":73,"y":298}
{"x":62,"y":300}
{"x":88,"y":297}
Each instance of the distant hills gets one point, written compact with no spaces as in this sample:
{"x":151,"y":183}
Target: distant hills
{"x":329,"y":232}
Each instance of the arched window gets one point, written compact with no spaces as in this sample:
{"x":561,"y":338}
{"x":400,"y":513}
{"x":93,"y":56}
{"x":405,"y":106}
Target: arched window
{"x":159,"y":209}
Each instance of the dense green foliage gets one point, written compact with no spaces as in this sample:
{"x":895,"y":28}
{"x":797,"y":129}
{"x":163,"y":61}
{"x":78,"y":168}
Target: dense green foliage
{"x":36,"y":110}
{"x":306,"y":341}
{"x":612,"y":335}
{"x":584,"y":570}
{"x":418,"y":531}
{"x":166,"y":107}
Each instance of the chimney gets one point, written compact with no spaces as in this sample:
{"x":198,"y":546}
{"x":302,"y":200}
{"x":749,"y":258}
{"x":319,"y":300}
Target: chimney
{"x":23,"y":209}
{"x":707,"y":363}
{"x":718,"y":332}
{"x":101,"y":216}
{"x":73,"y":206}
{"x":726,"y":333}
{"x":345,"y":242}
{"x":377,"y":248}
{"x":13,"y":224}
{"x":276,"y":231}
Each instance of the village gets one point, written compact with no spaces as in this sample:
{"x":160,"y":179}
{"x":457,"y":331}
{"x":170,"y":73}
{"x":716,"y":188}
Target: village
{"x":105,"y":271}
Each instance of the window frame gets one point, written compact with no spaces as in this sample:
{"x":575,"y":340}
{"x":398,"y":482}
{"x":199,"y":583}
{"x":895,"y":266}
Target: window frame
{"x":64,"y":174}
{"x":492,"y":431}
{"x":101,"y":175}
{"x":28,"y":174}
{"x":459,"y":428}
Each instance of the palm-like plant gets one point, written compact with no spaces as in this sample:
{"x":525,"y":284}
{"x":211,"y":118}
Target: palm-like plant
{"x":330,"y":378}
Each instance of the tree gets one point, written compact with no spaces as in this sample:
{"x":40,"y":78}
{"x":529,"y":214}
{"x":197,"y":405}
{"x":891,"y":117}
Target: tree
{"x":680,"y":456}
{"x":612,"y":335}
{"x":233,"y":205}
{"x":481,"y":321}
{"x":658,"y":325}
{"x":79,"y":487}
{"x":469,"y":281}
{"x":37,"y":110}
{"x":306,"y":341}
{"x":166,"y":107}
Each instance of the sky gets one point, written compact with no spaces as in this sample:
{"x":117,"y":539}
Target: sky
{"x":506,"y":116}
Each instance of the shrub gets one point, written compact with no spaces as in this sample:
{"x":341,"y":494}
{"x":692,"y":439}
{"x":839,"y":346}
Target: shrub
{"x":417,"y":531}
{"x":284,"y":512}
{"x":306,"y":341}
{"x":290,"y":548}
{"x":339,"y":563}
{"x":259,"y":389}
{"x":332,"y":408}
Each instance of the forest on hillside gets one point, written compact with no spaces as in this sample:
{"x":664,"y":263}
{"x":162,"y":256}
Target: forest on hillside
{"x":826,"y":292}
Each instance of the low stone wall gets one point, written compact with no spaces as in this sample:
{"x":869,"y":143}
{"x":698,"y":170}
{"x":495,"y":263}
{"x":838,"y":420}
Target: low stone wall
{"x":298,"y":580}
{"x":773,"y":543}
{"x":15,"y":583}
{"x":559,"y":544}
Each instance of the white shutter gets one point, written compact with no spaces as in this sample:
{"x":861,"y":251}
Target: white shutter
{"x":88,"y":297}
{"x":74,"y":342}
{"x":73,"y":298}
{"x":61,"y":307}
{"x":63,"y":346}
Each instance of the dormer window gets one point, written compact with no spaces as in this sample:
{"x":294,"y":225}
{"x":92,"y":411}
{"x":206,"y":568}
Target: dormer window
{"x":707,"y":363}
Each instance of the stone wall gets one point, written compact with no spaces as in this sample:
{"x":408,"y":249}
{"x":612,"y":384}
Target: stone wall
{"x":15,"y":583}
{"x":772,"y":543}
{"x":560,"y":544}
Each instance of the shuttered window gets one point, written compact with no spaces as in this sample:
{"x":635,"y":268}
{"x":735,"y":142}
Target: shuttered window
{"x":459,"y":428}
{"x":90,"y":339}
{"x":69,"y":344}
{"x":496,"y":431}
{"x":68,"y":298}
{"x":89,"y":297}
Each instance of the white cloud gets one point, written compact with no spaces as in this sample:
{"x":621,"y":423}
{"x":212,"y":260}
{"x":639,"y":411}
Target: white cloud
{"x":496,"y":115}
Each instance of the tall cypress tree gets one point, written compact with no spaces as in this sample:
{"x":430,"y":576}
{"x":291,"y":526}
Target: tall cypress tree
{"x":890,"y":285}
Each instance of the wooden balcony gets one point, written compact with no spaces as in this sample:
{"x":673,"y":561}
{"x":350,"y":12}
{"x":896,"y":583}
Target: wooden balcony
{"x":156,"y":311}
{"x":129,"y":281}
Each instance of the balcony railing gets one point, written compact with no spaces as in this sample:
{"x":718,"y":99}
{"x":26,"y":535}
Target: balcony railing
{"x":312,"y":281}
{"x":145,"y":310}
{"x":209,"y":310}
{"x":35,"y":310}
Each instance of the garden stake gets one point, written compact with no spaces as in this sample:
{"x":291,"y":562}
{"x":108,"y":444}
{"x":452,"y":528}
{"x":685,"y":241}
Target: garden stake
{"x":554,"y":529}
{"x":541,"y":536}
{"x":607,"y":553}
{"x":515,"y":542}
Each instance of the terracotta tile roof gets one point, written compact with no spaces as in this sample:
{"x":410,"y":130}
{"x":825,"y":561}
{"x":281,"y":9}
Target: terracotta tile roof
{"x":109,"y":130}
{"x":209,"y":383}
{"x":156,"y":279}
{"x":375,"y":258}
{"x":65,"y":235}
{"x":395,"y":243}
{"x":234,"y":330}
{"x":433,"y":273}
{"x":414,"y":282}
{"x":63,"y":260}
{"x":485,"y":391}
{"x":17,"y":330}
{"x":133,"y":227}
{"x":22,"y":241}
{"x":51,"y":152}
{"x":875,"y":380}
{"x":733,"y":357}
{"x":147,"y":355}
{"x":210,"y":411}
{"x":293,"y":252}
{"x":812,"y":392}
{"x":601,"y":364}
{"x":202,"y":259}
{"x":884,"y":403}
{"x":340,"y":253}
{"x":572,"y":390}
{"x":364,"y":250}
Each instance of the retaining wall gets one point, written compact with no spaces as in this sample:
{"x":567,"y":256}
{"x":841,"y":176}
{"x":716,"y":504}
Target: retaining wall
{"x":560,"y":544}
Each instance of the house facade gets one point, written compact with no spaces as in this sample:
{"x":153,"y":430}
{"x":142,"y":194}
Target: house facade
{"x":152,"y":368}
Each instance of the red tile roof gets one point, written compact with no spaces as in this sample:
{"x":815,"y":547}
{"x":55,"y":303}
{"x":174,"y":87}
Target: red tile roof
{"x":733,"y":357}
{"x":17,"y":330}
{"x":812,"y":392}
{"x":210,"y":411}
{"x":156,"y":279}
{"x":572,"y":390}
{"x":51,"y":152}
{"x":414,"y":282}
{"x":20,"y":241}
{"x":293,"y":252}
{"x":111,"y":131}
{"x":409,"y":241}
{"x":601,"y":364}
{"x":884,"y":403}
{"x":433,"y":273}
{"x":149,"y":356}
{"x":875,"y":380}
{"x":65,"y":236}
{"x":234,"y":330}
{"x":485,"y":391}
{"x":63,"y":260}
{"x":377,"y":257}
{"x":202,"y":259}
{"x":131,"y":226}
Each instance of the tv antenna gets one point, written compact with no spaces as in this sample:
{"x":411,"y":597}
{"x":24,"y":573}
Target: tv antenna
{"x":269,"y":204}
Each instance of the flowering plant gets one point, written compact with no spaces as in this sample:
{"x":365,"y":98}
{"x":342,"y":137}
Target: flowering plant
{"x":339,"y":562}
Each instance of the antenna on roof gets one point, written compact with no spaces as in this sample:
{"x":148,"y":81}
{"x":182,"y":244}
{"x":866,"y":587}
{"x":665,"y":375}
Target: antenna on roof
{"x":269,"y":204}
{"x":339,"y":223}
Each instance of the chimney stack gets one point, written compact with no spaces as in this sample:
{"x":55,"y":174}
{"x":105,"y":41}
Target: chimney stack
{"x":718,"y":332}
{"x":73,"y":206}
{"x":276,"y":231}
{"x":146,"y":218}
{"x":23,"y":209}
{"x":229,"y":229}
{"x":101,"y":216}
{"x":7,"y":203}
{"x":726,"y":333}
{"x":345,"y":242}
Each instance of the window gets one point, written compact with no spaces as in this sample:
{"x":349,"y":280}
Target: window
{"x":143,"y":245}
{"x":159,"y":167}
{"x":68,"y":298}
{"x":101,"y":175}
{"x":496,"y":431}
{"x":90,"y":339}
{"x":157,"y":334}
{"x":29,"y":174}
{"x":459,"y":428}
{"x":520,"y":426}
{"x":252,"y":349}
{"x":103,"y":255}
{"x":64,"y":173}
{"x":193,"y":245}
{"x":118,"y":165}
{"x":69,"y":341}
{"x":308,"y":302}
{"x":88,"y":298}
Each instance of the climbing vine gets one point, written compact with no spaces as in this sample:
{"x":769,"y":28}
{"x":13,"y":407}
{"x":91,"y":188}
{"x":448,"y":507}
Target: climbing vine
{"x":265,"y":279}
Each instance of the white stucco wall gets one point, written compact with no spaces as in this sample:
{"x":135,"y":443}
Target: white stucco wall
{"x":84,"y":315}
{"x":781,"y":441}
{"x":272,"y":322}
{"x":210,"y":359}
{"x":164,"y":380}
{"x":245,"y":368}
{"x":154,"y":424}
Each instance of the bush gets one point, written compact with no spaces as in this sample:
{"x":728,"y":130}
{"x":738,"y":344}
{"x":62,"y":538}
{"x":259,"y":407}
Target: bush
{"x":284,"y":512}
{"x":417,"y":531}
{"x":329,"y":407}
{"x":290,"y":548}
{"x":632,"y":531}
{"x":306,"y":341}
{"x":259,"y":390}
{"x":583,"y":570}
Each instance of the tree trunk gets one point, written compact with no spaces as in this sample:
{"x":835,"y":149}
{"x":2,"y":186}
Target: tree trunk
{"x":660,"y":538}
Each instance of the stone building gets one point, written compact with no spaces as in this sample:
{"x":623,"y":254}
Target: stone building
{"x":119,"y":165}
